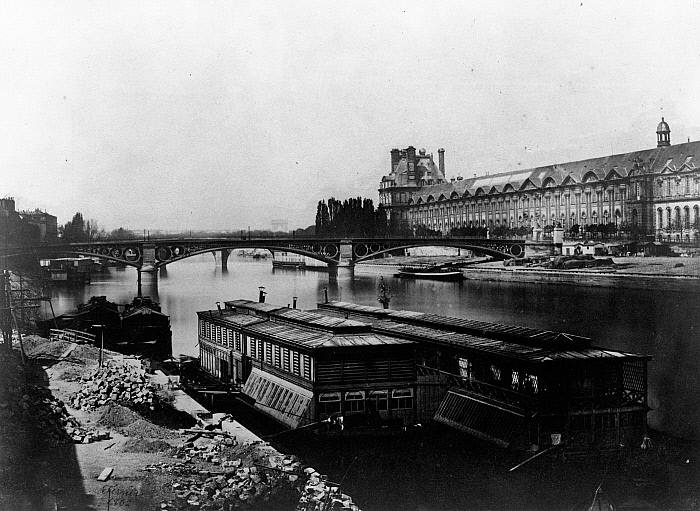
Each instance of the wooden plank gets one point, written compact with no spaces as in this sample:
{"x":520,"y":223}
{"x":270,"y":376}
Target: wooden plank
{"x":105,"y":474}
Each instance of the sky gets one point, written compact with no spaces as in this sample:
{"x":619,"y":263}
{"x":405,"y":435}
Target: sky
{"x":224,"y":115}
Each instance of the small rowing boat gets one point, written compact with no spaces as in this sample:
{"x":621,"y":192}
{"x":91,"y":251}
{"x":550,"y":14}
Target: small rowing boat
{"x":438,"y":272}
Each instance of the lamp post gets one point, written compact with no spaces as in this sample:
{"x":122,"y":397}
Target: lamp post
{"x":102,"y":340}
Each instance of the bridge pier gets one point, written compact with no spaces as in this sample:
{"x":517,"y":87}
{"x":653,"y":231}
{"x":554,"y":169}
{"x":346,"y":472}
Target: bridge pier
{"x":150,"y":282}
{"x":225,"y":252}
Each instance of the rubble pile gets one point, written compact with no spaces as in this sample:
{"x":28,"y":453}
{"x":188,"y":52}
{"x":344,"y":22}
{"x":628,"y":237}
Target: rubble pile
{"x":115,"y":383}
{"x":24,"y":406}
{"x":319,"y":494}
{"x":256,"y":477}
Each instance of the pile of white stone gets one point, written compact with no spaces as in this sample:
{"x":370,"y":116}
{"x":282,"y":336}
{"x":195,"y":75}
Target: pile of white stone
{"x":246,"y":477}
{"x":33,"y":408}
{"x":321,"y":495}
{"x":118,"y":383}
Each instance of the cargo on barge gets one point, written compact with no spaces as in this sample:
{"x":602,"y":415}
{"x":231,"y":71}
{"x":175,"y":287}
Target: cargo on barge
{"x":366,"y":367}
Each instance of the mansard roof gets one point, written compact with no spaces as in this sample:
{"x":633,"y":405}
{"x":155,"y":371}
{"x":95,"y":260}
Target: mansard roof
{"x":425,"y":169}
{"x":675,"y":158}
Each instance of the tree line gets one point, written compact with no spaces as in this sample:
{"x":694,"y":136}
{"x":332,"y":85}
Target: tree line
{"x":354,"y":217}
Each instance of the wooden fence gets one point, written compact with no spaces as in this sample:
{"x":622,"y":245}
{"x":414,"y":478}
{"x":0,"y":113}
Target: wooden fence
{"x":72,"y":336}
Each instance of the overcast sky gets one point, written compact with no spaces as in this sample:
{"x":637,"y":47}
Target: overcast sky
{"x":223,"y":115}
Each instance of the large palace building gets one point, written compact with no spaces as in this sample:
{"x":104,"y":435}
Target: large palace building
{"x":657,"y":190}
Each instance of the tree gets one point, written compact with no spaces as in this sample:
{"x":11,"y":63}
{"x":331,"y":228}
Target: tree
{"x":354,"y":217}
{"x":78,"y":230}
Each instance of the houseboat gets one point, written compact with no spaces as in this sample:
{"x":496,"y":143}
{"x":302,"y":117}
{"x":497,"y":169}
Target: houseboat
{"x":516,"y":386}
{"x":67,"y":270}
{"x":364,"y":366}
{"x":288,"y":260}
{"x":138,"y":327}
{"x":304,"y":368}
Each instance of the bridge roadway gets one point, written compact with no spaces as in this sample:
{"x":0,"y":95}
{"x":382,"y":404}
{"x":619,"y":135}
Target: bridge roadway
{"x":150,"y":255}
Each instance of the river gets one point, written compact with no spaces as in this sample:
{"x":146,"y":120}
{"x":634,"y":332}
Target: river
{"x":663,"y":324}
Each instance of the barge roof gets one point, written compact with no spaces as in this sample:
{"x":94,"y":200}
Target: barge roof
{"x":553,"y":348}
{"x":510,"y":333}
{"x":311,"y":338}
{"x":231,"y":316}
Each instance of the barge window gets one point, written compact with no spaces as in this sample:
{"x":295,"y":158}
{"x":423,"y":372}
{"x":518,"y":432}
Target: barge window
{"x":329,"y":402}
{"x":306,"y":361}
{"x":295,"y":363}
{"x":495,"y":373}
{"x":268,"y":352}
{"x":605,"y":421}
{"x":380,"y":398}
{"x":218,"y":334}
{"x":466,"y":368}
{"x":202,"y":328}
{"x":208,"y":334}
{"x":530,"y":383}
{"x":402,"y":399}
{"x":628,"y":419}
{"x":285,"y":359}
{"x":252,"y":348}
{"x":355,"y":401}
{"x":581,"y":422}
{"x":277,"y":358}
{"x":238,"y":341}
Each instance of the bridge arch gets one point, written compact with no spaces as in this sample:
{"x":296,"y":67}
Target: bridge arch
{"x":505,"y":250}
{"x":106,"y":257}
{"x":327,"y":252}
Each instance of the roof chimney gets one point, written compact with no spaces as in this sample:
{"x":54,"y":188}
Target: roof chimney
{"x":411,"y":163}
{"x":395,"y":159}
{"x":441,"y":161}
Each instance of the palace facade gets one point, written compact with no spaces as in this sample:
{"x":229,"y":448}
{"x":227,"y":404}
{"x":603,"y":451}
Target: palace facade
{"x":655,"y":191}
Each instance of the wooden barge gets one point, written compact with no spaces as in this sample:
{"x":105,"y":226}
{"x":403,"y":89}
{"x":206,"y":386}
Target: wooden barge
{"x":363,"y":366}
{"x":137,"y":327}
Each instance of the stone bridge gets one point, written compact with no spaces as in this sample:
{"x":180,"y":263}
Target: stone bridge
{"x":149,"y":255}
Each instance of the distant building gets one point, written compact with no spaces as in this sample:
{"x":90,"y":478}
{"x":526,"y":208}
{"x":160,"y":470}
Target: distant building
{"x":409,"y":174}
{"x":48,"y":224}
{"x":7,"y":206}
{"x":656,"y":191}
{"x":280,"y":225}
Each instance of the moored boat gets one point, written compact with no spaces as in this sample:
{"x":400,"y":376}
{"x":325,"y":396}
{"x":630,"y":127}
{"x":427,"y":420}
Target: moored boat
{"x":431,"y":272}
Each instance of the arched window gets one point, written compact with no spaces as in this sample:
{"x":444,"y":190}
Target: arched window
{"x":402,"y":399}
{"x":329,"y":402}
{"x":686,"y":217}
{"x":355,"y":401}
{"x":380,"y":399}
{"x":659,"y":218}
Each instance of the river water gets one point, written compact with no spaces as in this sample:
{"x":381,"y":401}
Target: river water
{"x":663,"y":324}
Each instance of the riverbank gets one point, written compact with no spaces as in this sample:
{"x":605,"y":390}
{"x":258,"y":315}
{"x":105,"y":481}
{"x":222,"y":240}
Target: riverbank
{"x":65,"y":422}
{"x":665,"y":273}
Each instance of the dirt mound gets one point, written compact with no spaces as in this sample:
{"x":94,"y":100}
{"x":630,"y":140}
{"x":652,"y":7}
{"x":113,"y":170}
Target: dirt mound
{"x":116,"y":416}
{"x":38,"y":347}
{"x":141,"y":428}
{"x":143,"y":445}
{"x":70,"y":370}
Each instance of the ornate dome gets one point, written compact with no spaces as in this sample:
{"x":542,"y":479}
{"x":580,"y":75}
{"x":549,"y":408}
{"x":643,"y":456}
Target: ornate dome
{"x":663,"y":127}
